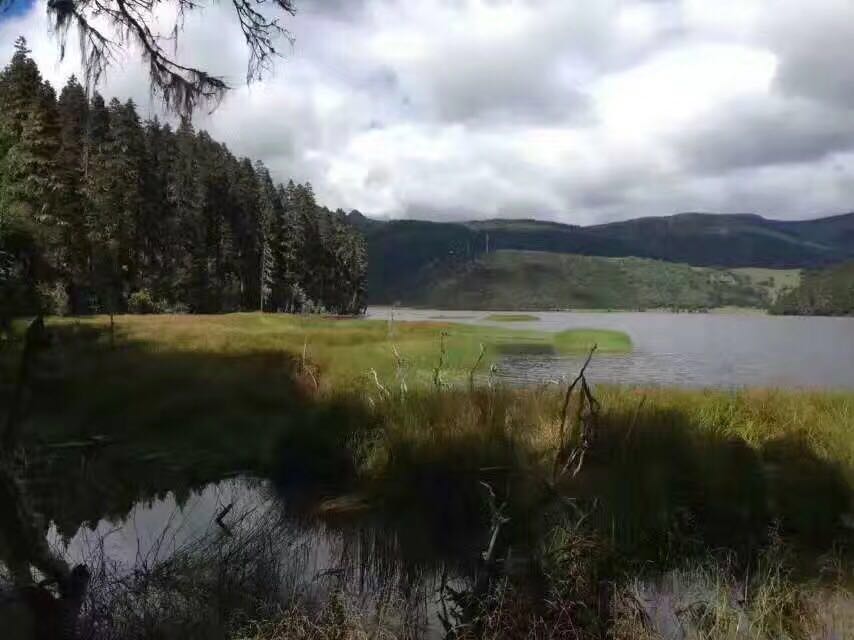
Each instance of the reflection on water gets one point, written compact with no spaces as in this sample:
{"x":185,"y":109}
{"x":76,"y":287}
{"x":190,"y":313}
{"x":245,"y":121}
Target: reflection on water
{"x":225,"y":525}
{"x":686,"y":349}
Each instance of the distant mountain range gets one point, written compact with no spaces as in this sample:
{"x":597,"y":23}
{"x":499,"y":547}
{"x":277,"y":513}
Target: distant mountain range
{"x":409,"y":257}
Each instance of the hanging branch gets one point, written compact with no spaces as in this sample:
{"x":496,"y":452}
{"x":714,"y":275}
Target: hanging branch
{"x":181,"y":88}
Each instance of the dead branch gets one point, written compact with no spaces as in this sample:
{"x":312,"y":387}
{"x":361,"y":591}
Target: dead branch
{"x":476,"y":365}
{"x":499,"y":519}
{"x":221,"y":517}
{"x":437,"y":371}
{"x":574,"y":440}
{"x":400,"y":367}
{"x":383,"y":391}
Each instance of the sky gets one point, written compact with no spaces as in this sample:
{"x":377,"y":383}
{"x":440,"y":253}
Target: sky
{"x":582,"y":111}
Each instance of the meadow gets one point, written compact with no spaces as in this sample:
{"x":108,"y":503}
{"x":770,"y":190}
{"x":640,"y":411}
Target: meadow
{"x":401,"y":424}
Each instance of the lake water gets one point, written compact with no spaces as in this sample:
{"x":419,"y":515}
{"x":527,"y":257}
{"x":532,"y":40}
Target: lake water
{"x":694,"y":350}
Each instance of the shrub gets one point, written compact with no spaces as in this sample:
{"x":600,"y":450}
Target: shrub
{"x":142,"y":302}
{"x":53,"y":298}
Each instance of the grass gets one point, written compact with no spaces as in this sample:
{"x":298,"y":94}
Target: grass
{"x":511,"y":317}
{"x":344,"y":350}
{"x":606,"y":341}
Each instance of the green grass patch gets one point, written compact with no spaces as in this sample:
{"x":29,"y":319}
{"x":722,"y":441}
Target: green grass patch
{"x":606,"y":341}
{"x":511,"y":317}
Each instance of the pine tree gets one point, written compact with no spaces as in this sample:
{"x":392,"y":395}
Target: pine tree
{"x":269,"y":213}
{"x":246,"y":226}
{"x":20,"y":84}
{"x":186,"y":197}
{"x":126,"y":216}
{"x":73,"y":110}
{"x":286,"y":240}
{"x":104,"y":279}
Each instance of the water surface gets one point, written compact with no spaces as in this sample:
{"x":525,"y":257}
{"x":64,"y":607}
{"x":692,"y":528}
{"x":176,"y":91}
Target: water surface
{"x":685,"y":349}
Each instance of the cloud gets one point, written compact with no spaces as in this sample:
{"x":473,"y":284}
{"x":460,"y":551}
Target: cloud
{"x":582,"y":111}
{"x":767,"y":132}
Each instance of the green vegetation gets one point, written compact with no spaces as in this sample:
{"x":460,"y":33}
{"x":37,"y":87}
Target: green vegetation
{"x":824,"y":292}
{"x":407,"y":255}
{"x":539,"y":280}
{"x":512,"y":317}
{"x":775,"y":282}
{"x":585,"y":339}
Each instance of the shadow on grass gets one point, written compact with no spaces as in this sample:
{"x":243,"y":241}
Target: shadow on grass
{"x":665,"y":487}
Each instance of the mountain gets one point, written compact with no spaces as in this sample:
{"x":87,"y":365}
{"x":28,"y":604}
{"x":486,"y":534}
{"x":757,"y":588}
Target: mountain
{"x":741,"y":240}
{"x":405,"y":256}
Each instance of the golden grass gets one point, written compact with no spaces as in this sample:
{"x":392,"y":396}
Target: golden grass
{"x":346,"y":350}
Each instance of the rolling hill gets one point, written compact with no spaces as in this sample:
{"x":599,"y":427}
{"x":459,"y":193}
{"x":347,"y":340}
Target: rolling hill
{"x":539,"y":280}
{"x":407,"y":257}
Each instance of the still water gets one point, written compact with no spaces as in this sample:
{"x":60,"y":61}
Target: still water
{"x":696,"y":350}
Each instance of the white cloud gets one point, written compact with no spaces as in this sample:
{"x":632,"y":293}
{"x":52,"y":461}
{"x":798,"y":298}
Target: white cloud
{"x":583,"y":111}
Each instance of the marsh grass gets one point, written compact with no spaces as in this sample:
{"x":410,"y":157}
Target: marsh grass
{"x":581,"y":340}
{"x":344,"y":349}
{"x":217,"y":394}
{"x":670,"y":474}
{"x":512,"y":317}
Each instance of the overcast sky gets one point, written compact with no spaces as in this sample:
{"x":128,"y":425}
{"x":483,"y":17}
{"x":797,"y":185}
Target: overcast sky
{"x":582,"y":111}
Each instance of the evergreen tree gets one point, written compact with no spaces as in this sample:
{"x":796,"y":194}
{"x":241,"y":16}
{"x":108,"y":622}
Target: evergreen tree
{"x":269,"y":212}
{"x":109,"y":214}
{"x":73,"y":108}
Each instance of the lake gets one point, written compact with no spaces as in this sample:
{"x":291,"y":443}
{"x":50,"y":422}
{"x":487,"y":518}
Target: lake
{"x":684,"y":349}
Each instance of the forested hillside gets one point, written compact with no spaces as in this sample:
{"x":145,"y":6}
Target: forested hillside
{"x":101,"y":212}
{"x":822,"y":292}
{"x":541,"y":280}
{"x":406,"y":254}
